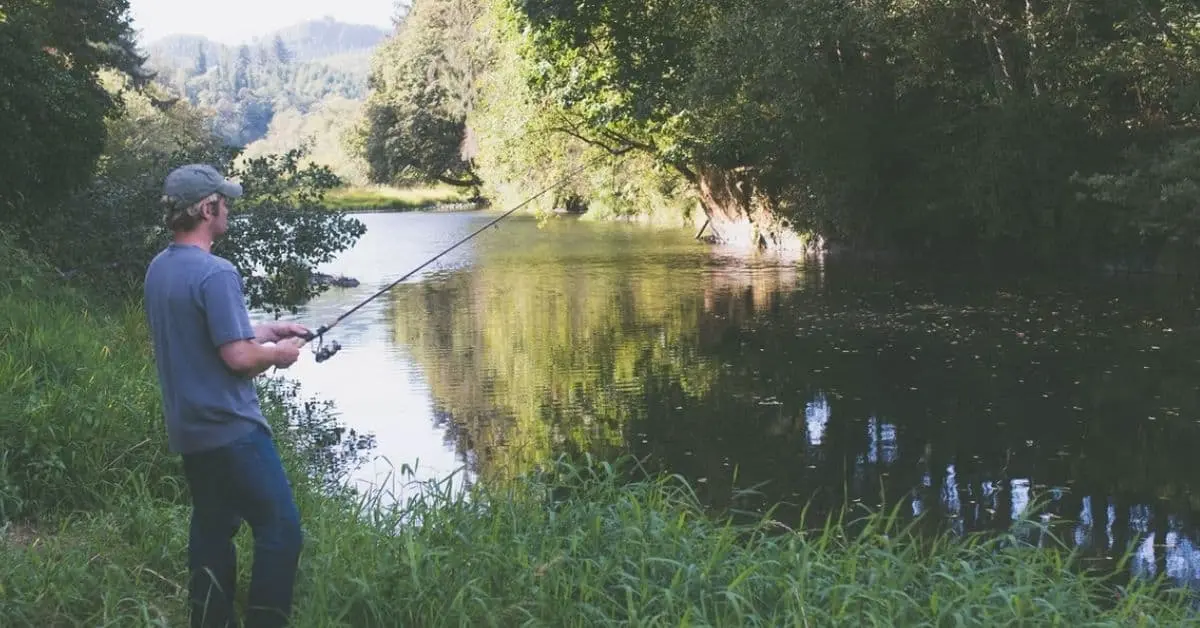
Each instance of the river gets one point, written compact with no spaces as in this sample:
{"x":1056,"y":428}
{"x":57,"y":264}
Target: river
{"x":966,"y":399}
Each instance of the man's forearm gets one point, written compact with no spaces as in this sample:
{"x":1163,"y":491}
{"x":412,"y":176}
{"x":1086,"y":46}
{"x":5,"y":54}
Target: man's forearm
{"x":265,"y":333}
{"x":266,"y":359}
{"x":250,"y":359}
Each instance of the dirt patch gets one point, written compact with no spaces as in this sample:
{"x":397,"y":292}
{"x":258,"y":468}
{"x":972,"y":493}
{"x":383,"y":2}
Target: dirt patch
{"x":18,"y":535}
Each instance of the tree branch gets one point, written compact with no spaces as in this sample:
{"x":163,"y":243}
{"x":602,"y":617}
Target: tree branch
{"x":592,"y":142}
{"x":571,"y":128}
{"x":462,"y":183}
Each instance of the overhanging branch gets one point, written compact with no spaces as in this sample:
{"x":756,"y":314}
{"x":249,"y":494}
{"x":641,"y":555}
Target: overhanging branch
{"x":615,"y":151}
{"x":471,"y":181}
{"x":571,"y":128}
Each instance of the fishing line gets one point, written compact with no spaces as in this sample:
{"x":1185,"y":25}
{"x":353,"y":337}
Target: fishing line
{"x":324,"y":352}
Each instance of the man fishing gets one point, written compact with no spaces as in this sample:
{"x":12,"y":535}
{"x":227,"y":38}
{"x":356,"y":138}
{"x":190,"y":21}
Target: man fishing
{"x":207,"y":355}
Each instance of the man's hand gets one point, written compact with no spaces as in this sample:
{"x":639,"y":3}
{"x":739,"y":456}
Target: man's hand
{"x":275,"y":331}
{"x":250,"y":359}
{"x":287,"y":351}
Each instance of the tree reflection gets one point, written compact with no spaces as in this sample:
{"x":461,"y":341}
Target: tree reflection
{"x":963,"y":402}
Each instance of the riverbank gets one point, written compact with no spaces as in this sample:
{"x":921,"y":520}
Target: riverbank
{"x":384,"y":198}
{"x":96,"y":524}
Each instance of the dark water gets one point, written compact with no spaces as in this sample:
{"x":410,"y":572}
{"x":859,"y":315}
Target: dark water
{"x":963,"y":398}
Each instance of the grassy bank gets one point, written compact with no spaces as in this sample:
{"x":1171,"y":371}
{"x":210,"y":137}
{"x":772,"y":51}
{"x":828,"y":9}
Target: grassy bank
{"x":96,"y":525}
{"x":383,"y":198}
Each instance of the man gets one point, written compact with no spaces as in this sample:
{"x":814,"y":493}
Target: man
{"x":207,"y":355}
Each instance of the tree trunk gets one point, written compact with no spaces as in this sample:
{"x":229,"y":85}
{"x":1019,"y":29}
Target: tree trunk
{"x":737,"y":211}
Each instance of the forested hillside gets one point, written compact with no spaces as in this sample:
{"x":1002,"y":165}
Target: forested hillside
{"x":328,"y":39}
{"x":304,"y":76}
{"x":1047,"y":131}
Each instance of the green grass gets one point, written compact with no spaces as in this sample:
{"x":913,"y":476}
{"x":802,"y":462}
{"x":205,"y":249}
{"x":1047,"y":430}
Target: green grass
{"x":97,"y":525}
{"x":383,"y":198}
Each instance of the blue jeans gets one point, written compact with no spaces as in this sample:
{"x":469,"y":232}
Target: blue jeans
{"x":242,"y":481}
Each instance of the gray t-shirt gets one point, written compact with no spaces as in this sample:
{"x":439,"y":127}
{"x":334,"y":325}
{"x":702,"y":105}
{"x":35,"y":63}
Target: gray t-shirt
{"x":194,"y":303}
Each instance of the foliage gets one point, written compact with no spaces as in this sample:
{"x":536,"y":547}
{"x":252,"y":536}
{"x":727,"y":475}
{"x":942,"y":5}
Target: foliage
{"x":326,"y":38}
{"x":969,"y":118}
{"x":521,"y":146}
{"x":282,"y":230}
{"x":425,"y":84}
{"x":105,"y":232}
{"x":517,"y":154}
{"x":52,"y":109}
{"x":614,"y":71}
{"x":1158,"y":191}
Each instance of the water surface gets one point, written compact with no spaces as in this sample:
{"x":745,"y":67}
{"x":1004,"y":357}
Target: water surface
{"x":962,"y":398}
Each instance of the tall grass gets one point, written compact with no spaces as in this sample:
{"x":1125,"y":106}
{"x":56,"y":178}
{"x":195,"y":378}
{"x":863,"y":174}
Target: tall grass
{"x":95,"y":525}
{"x":80,"y":417}
{"x":611,"y":554}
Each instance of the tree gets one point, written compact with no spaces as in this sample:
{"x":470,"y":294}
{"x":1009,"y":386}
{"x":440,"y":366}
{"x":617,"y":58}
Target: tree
{"x":241,"y":69}
{"x":425,"y":82}
{"x":282,"y":55}
{"x":617,"y":72}
{"x":281,"y":231}
{"x":52,"y":115}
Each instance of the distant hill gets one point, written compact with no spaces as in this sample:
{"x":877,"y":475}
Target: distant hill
{"x":326,"y":40}
{"x":342,"y":46}
{"x":293,"y":69}
{"x":181,"y":50}
{"x":317,"y":40}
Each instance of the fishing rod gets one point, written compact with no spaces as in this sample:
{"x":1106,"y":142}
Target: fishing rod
{"x":324,"y":352}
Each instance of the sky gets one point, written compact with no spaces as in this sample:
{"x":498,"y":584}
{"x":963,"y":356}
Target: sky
{"x":237,"y":21}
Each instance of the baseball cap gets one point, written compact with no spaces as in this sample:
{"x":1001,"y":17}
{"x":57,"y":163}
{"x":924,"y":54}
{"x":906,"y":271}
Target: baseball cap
{"x":188,"y":184}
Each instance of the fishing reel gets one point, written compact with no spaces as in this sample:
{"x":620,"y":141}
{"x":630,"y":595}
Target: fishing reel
{"x":322,"y":351}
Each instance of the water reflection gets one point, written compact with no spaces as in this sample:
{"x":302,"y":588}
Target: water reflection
{"x":375,"y":386}
{"x":963,"y":400}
